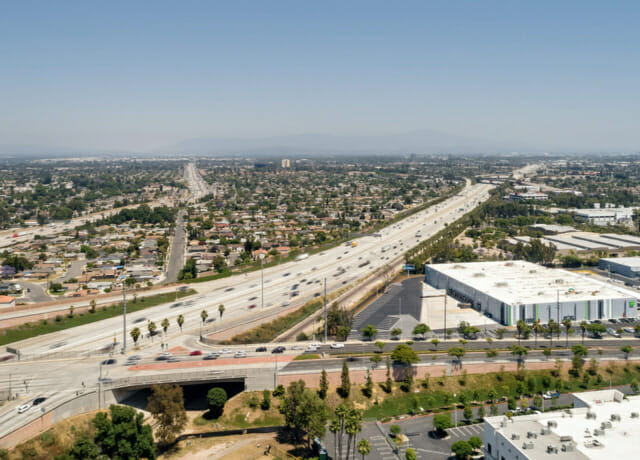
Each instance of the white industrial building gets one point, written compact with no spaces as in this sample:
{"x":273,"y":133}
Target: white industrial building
{"x":605,"y":216}
{"x":603,"y":425}
{"x":515,"y":290}
{"x":626,"y":266}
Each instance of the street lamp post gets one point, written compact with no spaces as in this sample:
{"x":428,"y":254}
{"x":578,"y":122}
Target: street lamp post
{"x":124,"y":315}
{"x":262,"y":281}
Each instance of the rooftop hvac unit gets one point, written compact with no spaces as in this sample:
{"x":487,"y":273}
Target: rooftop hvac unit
{"x":567,"y":447}
{"x":559,"y":281}
{"x":545,"y":431}
{"x":552,"y":449}
{"x":478,"y":275}
{"x":552,"y":424}
{"x":533,"y":271}
{"x":605,"y":425}
{"x":515,"y":436}
{"x":591,"y":415}
{"x":527,"y":445}
{"x":503,"y":424}
{"x":598,"y":432}
{"x":566,"y":438}
{"x":531,"y":434}
{"x":541,"y":293}
{"x":502,"y":284}
{"x":615,"y":417}
{"x":635,"y":415}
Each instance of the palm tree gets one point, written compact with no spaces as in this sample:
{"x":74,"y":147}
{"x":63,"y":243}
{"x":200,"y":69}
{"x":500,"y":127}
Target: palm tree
{"x":180,"y":322}
{"x":221,"y":310}
{"x":92,"y":306}
{"x":364,"y":448}
{"x":151,"y":326}
{"x":204,"y":315}
{"x":352,"y":426}
{"x":135,"y":334}
{"x":567,"y":326}
{"x":334,"y":427}
{"x":165,"y":325}
{"x":538,"y":328}
{"x":583,"y":328}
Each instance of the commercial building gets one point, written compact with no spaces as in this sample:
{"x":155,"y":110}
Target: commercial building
{"x":526,"y":196}
{"x":515,"y":290}
{"x":602,"y":425}
{"x":605,"y":216}
{"x":285,"y":163}
{"x":626,"y":266}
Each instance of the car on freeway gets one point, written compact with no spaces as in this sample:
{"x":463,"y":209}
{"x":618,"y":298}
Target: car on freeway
{"x":39,"y":400}
{"x":253,"y":298}
{"x":337,"y":345}
{"x":252,"y":306}
{"x":225,"y":351}
{"x":108,"y":362}
{"x":278,"y":349}
{"x":139,"y":320}
{"x":240,"y":354}
{"x":229,"y":289}
{"x":297,"y":347}
{"x":286,"y":274}
{"x":312,"y":348}
{"x":164,"y":356}
{"x":173,"y":359}
{"x":195,"y":353}
{"x":261,"y":349}
{"x":212,"y":355}
{"x":23,"y":408}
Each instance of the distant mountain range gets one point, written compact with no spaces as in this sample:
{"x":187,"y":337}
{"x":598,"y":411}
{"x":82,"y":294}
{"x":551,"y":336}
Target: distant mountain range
{"x":421,"y":142}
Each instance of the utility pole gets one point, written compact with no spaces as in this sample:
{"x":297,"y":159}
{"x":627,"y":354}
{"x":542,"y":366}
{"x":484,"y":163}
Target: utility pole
{"x":325,"y":310}
{"x":444,"y":332}
{"x":124,"y":315}
{"x":262,"y":281}
{"x":558,"y":312}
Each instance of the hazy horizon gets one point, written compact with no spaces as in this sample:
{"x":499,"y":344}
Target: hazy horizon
{"x":421,"y":77}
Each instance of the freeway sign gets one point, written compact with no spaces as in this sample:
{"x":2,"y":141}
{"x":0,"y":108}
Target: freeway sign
{"x":408,"y":267}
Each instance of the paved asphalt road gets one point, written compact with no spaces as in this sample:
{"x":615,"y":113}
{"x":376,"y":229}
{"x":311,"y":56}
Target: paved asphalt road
{"x":74,"y":270}
{"x":176,"y":258}
{"x":37,"y":292}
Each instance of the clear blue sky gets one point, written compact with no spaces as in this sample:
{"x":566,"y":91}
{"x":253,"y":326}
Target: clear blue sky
{"x":141,"y":75}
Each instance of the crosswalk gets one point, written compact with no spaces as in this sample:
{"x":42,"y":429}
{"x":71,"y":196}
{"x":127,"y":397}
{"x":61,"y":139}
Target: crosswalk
{"x":381,"y":447}
{"x":466,"y":431}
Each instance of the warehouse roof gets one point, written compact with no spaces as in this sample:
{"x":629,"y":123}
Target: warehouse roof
{"x":520,"y":282}
{"x":609,"y":431}
{"x":633,"y":262}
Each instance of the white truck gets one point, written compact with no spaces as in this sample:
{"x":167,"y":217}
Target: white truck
{"x":302,"y":257}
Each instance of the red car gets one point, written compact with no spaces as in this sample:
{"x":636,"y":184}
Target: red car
{"x":252,"y":306}
{"x":195,"y":353}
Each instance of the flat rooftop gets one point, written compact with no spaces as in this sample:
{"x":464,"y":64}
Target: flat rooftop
{"x":611,"y":431}
{"x":519,"y":282}
{"x":633,"y":262}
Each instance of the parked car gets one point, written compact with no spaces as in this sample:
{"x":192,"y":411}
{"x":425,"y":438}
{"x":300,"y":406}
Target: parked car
{"x":195,"y":353}
{"x":551,"y":395}
{"x":613,"y":333}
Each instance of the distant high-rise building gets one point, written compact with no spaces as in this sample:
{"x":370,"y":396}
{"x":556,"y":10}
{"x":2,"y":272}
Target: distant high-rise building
{"x":285,"y":163}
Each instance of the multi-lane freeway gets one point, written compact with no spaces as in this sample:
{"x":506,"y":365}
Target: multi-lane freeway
{"x":286,"y":284}
{"x":283,"y":284}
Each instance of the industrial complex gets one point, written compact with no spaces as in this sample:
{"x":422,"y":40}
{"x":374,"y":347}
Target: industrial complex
{"x":626,"y":266}
{"x":517,"y":290}
{"x":602,"y":425}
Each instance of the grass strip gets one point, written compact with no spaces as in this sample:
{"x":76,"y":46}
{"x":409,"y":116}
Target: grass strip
{"x":66,"y":321}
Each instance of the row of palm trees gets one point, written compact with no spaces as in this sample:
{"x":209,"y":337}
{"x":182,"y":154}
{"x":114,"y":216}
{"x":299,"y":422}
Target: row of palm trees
{"x":152,"y":327}
{"x":552,"y":327}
